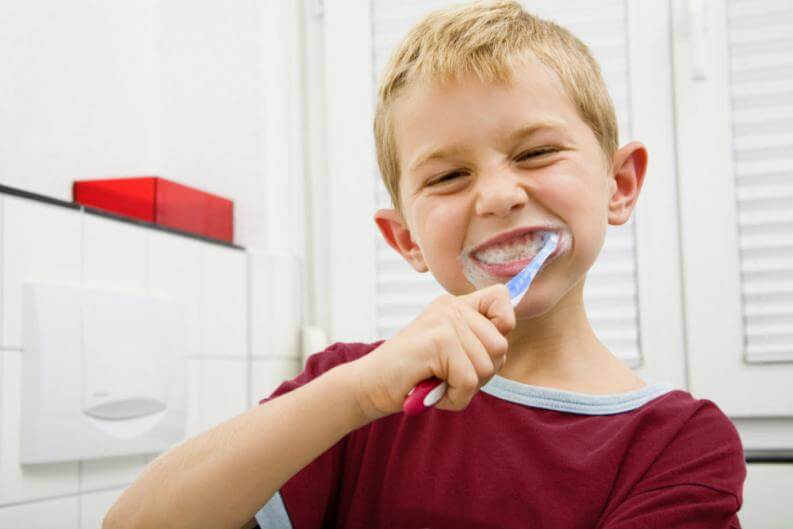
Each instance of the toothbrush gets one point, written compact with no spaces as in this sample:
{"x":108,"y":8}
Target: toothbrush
{"x":428,"y":392}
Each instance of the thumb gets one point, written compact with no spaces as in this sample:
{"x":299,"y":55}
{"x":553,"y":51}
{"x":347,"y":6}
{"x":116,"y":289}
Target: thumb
{"x":494,"y":303}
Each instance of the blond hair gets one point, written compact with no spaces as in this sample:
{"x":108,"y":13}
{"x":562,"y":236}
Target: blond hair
{"x":485,"y":39}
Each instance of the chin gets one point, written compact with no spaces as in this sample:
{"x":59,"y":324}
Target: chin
{"x":532,"y":307}
{"x":541,"y":300}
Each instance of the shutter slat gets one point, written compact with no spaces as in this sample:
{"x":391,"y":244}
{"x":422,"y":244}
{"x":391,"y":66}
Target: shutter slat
{"x":760,"y":20}
{"x":742,"y":9}
{"x":770,"y":311}
{"x":748,"y":167}
{"x":768,"y":265}
{"x":778,"y":336}
{"x":781,"y":137}
{"x":748,"y":192}
{"x":769,"y":352}
{"x":768,"y":242}
{"x":761,"y":88}
{"x":749,"y":65}
{"x":761,"y":115}
{"x":758,"y":331}
{"x":759,"y":289}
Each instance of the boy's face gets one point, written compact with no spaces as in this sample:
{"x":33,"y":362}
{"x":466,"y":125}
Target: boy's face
{"x":481,"y":159}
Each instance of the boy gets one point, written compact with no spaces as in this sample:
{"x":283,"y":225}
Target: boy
{"x":492,"y":126}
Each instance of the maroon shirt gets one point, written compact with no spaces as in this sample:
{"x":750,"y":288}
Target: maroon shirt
{"x":522,"y":456}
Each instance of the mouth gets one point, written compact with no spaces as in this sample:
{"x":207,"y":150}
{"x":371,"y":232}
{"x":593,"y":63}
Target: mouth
{"x":508,"y":253}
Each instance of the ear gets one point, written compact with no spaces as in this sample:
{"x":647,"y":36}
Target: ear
{"x":397,"y":235}
{"x":630,"y":163}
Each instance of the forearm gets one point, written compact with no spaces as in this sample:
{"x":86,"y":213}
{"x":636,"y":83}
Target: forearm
{"x":219,"y":479}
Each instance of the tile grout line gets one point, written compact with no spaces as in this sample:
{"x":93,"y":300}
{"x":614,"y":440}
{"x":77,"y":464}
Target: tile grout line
{"x":44,"y":199}
{"x":275,"y":357}
{"x":82,"y":356}
{"x":248,"y":332}
{"x":201,"y":397}
{"x":79,"y":491}
{"x":64,"y":496}
{"x":243,"y":358}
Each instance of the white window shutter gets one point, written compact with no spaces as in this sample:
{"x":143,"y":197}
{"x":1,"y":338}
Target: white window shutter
{"x":611,"y":293}
{"x":736,"y":183}
{"x":760,"y":41}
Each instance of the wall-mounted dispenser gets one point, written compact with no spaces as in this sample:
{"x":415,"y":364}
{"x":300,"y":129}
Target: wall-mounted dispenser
{"x":103,"y":374}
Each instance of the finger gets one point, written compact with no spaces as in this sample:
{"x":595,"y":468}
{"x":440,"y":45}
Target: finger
{"x":461,"y":376}
{"x":495,"y":344}
{"x":494,"y":303}
{"x":476,"y":351}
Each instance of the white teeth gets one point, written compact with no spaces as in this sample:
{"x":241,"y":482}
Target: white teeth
{"x":517,"y":249}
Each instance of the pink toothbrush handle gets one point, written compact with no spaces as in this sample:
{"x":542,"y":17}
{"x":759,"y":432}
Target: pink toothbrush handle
{"x":425,"y":395}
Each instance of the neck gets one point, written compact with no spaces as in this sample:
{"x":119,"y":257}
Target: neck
{"x":560,"y":349}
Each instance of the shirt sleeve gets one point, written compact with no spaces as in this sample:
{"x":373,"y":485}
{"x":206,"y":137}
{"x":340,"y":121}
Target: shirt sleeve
{"x":695,"y":483}
{"x":310,"y":497}
{"x":688,"y":506}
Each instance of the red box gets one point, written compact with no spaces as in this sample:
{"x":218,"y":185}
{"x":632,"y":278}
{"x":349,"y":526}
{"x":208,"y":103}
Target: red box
{"x":160,"y":201}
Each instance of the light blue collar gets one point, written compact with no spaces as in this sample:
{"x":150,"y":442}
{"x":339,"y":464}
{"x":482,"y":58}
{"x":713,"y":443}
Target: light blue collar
{"x":570,"y":401}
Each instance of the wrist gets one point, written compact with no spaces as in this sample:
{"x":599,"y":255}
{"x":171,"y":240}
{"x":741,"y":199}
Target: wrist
{"x":353,"y":384}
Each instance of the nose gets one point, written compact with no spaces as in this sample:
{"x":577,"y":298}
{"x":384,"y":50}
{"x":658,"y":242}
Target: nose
{"x":499,"y":195}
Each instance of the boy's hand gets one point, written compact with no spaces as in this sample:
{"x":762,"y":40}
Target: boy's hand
{"x":459,"y":339}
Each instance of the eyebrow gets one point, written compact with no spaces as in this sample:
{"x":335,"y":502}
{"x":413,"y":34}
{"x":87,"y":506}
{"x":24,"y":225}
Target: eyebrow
{"x":522,"y":132}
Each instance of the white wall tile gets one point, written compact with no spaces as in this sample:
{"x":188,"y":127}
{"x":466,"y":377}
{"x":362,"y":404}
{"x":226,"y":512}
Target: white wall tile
{"x":766,"y":493}
{"x":174,"y":270}
{"x":41,"y":242}
{"x":224,"y":301}
{"x":61,"y":513}
{"x":2,"y":415}
{"x":276,"y":296}
{"x":195,"y":390}
{"x":115,"y":254}
{"x":110,"y":472}
{"x":268,"y":374}
{"x":224,"y":393}
{"x":94,"y":506}
{"x":28,"y":482}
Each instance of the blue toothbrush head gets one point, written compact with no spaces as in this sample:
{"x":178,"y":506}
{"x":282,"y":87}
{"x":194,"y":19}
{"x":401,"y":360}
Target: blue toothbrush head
{"x":519,"y":285}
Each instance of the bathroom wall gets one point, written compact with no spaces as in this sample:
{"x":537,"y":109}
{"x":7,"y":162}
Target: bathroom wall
{"x":56,"y":243}
{"x":203,"y":93}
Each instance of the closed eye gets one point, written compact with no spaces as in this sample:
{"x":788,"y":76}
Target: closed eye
{"x":535,"y":153}
{"x":446,"y":177}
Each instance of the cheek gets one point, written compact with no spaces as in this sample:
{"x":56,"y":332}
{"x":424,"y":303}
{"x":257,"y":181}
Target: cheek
{"x":577,"y":192}
{"x":580,"y":200}
{"x":442,"y":223}
{"x":565,"y":196}
{"x":439,"y":216}
{"x":442,"y":237}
